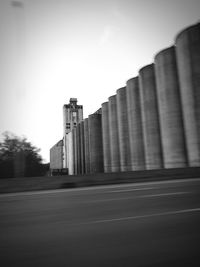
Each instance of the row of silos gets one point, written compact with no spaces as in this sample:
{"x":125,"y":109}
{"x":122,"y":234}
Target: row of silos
{"x":151,"y":123}
{"x":154,"y":122}
{"x":85,"y":153}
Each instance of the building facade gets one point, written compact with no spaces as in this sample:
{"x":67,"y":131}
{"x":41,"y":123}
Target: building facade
{"x":72,"y":116}
{"x":151,"y":123}
{"x":56,"y":158}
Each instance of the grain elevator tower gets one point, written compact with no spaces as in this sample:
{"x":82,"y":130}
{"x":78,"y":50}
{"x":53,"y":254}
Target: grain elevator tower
{"x":72,"y":115}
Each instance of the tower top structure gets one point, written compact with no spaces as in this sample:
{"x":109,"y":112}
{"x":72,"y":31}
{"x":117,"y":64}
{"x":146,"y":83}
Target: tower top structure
{"x":73,"y":100}
{"x":72,"y":115}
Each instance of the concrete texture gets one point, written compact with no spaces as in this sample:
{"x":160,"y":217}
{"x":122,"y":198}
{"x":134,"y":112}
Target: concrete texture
{"x":188,"y":61}
{"x":106,"y":138}
{"x":78,"y":147}
{"x":170,"y":112}
{"x":114,"y":134}
{"x":150,"y":118}
{"x":87,"y":148}
{"x":56,"y":156}
{"x":135,"y":132}
{"x":72,"y":115}
{"x":95,"y":143}
{"x":82,"y":147}
{"x":124,"y":145}
{"x":65,"y":131}
{"x":70,"y":156}
{"x":75,"y":151}
{"x":64,"y":157}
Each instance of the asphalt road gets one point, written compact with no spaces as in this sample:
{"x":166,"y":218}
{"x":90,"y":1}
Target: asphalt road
{"x":143,"y":224}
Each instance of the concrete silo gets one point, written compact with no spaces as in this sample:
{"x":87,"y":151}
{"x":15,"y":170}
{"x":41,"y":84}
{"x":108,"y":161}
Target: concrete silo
{"x":82,"y":147}
{"x":106,"y":137}
{"x":114,"y":135}
{"x":86,"y":145}
{"x":170,"y":111}
{"x":150,"y":118}
{"x":72,"y":115}
{"x":188,"y":62}
{"x":75,"y":150}
{"x":78,"y":147}
{"x":124,"y":145}
{"x":70,"y":153}
{"x":135,"y":125}
{"x":95,"y":143}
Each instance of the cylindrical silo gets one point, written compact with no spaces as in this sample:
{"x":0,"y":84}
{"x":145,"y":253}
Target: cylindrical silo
{"x":75,"y":151}
{"x":188,"y":62}
{"x":65,"y":151}
{"x":114,"y":135}
{"x":124,"y":145}
{"x":135,"y":125}
{"x":150,"y":118}
{"x":95,"y":143}
{"x":82,"y":147}
{"x":170,"y":111}
{"x":78,"y":147}
{"x":86,"y":144}
{"x":106,"y":138}
{"x":70,"y":155}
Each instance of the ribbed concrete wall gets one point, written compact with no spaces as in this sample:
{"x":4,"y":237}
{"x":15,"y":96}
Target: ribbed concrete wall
{"x":64,"y":158}
{"x":70,"y":155}
{"x":188,"y":61}
{"x":106,"y":138}
{"x":95,"y":143}
{"x":124,"y":145}
{"x":150,"y":118}
{"x":114,"y":134}
{"x":65,"y":119}
{"x":56,"y":156}
{"x":82,"y":147}
{"x":170,"y":112}
{"x":75,"y":151}
{"x":135,"y":125}
{"x":78,"y":140}
{"x":86,"y":145}
{"x":67,"y":155}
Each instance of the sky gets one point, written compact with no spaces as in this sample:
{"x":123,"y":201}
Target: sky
{"x":52,"y":50}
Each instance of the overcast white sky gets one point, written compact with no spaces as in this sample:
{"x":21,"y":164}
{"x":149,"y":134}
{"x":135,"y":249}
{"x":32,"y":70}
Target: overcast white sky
{"x":51,"y":50}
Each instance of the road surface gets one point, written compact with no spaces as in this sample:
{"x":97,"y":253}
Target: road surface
{"x":141,"y":224}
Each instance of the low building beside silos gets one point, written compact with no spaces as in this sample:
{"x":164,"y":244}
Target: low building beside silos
{"x":56,"y":159}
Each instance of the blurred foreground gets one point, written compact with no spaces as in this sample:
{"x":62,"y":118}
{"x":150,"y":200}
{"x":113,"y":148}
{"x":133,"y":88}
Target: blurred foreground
{"x":21,"y":184}
{"x":139,"y":224}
